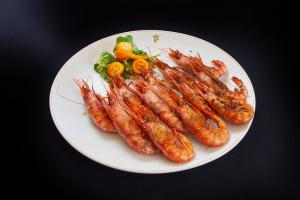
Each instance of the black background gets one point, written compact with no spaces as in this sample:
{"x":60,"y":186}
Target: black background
{"x":38,"y":37}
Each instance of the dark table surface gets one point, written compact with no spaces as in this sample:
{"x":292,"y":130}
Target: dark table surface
{"x":38,"y":37}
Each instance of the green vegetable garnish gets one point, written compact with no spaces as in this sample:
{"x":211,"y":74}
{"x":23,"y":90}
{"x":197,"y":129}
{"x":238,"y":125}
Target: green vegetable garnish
{"x":128,"y":72}
{"x":152,"y":58}
{"x":107,"y":58}
{"x":138,"y":52}
{"x":101,"y":65}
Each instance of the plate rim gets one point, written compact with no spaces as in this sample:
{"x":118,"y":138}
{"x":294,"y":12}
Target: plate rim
{"x":141,"y":171}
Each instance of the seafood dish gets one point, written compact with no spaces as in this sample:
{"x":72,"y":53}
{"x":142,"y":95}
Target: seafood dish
{"x":157,"y":114}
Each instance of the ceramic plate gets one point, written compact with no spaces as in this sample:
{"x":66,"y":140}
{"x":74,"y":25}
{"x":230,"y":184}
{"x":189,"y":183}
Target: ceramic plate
{"x":107,"y":149}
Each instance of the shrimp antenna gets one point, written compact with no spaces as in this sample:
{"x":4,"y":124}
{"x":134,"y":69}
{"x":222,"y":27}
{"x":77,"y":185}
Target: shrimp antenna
{"x":86,"y":85}
{"x":104,"y":85}
{"x":164,"y":51}
{"x":135,"y":115}
{"x":77,"y":81}
{"x":66,"y":98}
{"x":198,"y":55}
{"x":149,"y":51}
{"x":128,"y":87}
{"x":141,"y":84}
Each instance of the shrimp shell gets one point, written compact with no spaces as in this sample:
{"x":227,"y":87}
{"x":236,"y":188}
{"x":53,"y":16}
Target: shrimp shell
{"x":196,"y":66}
{"x":235,"y":111}
{"x":95,"y":108}
{"x":126,"y":126}
{"x":157,"y":105}
{"x":175,"y":146}
{"x":195,"y":117}
{"x":217,"y":70}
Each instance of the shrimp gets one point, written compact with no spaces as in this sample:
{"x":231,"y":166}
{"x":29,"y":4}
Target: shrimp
{"x":157,"y":105}
{"x":195,"y":65}
{"x":126,"y":126}
{"x":184,"y":83}
{"x":242,"y":92}
{"x":118,"y":84}
{"x":217,"y":70}
{"x":238,"y":111}
{"x":95,"y":108}
{"x":173,"y":145}
{"x":158,"y":87}
{"x":195,"y":117}
{"x":221,"y":89}
{"x":235,"y":111}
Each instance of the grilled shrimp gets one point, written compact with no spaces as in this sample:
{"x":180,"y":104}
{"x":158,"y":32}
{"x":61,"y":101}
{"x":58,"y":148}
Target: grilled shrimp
{"x":195,"y":118}
{"x":197,"y":123}
{"x":118,"y":85}
{"x":221,"y":89}
{"x":195,"y":65}
{"x":159,"y":86}
{"x":173,"y":145}
{"x":217,"y":70}
{"x":235,"y":111}
{"x":126,"y":126}
{"x":157,"y":105}
{"x":95,"y":108}
{"x":238,"y":111}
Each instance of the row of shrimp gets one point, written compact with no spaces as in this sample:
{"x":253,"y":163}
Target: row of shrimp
{"x":230,"y":105}
{"x":155,"y":115}
{"x":125,"y":112}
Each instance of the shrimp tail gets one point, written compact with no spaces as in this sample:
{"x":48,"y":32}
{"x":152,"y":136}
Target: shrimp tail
{"x":242,"y":91}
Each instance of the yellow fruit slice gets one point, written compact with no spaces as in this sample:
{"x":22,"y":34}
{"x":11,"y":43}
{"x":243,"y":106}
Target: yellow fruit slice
{"x":115,"y":68}
{"x":139,"y":65}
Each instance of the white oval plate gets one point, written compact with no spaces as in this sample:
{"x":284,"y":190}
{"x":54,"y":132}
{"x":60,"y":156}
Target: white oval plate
{"x":110,"y":149}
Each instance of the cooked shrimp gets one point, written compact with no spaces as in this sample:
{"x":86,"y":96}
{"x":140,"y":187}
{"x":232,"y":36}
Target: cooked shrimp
{"x":182,"y":60}
{"x":221,"y":89}
{"x":95,"y":108}
{"x":157,"y":105}
{"x":178,"y":78}
{"x":219,"y":134}
{"x":118,"y":85}
{"x":217,"y":70}
{"x":195,"y":65}
{"x":158,"y":87}
{"x":126,"y":126}
{"x":173,"y":145}
{"x":235,"y":111}
{"x":195,"y":118}
{"x":185,"y":83}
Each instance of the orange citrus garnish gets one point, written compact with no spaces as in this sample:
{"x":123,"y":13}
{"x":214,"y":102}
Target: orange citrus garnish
{"x":115,"y":68}
{"x":124,"y":52}
{"x":139,"y":65}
